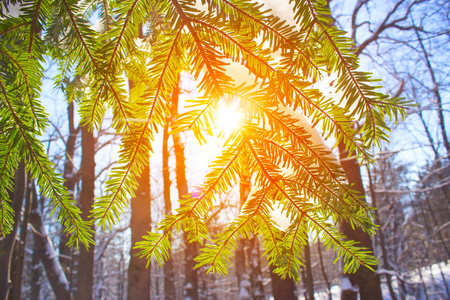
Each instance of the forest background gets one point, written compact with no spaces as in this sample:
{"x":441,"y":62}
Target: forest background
{"x":403,"y":42}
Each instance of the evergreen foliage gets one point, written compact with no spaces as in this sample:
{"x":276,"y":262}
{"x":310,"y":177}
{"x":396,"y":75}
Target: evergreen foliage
{"x":153,"y":41}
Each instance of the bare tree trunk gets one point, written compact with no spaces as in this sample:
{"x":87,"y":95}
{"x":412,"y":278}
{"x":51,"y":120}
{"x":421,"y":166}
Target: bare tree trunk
{"x":377,"y":221}
{"x":243,"y":278}
{"x":282,"y":289}
{"x":438,"y":98}
{"x":309,"y":281}
{"x":324,"y":273}
{"x":254,"y":258}
{"x":7,"y":244}
{"x":70,"y":180}
{"x":49,"y":259}
{"x":85,"y":274}
{"x":423,"y":285}
{"x":35,"y":276}
{"x":19,"y":259}
{"x":191,"y":250}
{"x":140,"y":223}
{"x":169,"y":278}
{"x":367,"y":281}
{"x":139,"y":276}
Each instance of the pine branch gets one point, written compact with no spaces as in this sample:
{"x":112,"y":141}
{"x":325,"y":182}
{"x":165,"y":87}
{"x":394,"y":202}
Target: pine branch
{"x":34,"y":25}
{"x":40,"y":125}
{"x":116,"y":187}
{"x":47,"y":179}
{"x":349,"y":252}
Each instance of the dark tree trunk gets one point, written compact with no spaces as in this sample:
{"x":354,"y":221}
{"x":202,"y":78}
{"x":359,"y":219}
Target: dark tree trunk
{"x":169,"y":278}
{"x":282,"y":289}
{"x":69,"y":182}
{"x":254,"y":258}
{"x":7,"y":244}
{"x":242,"y":276}
{"x":85,"y":279}
{"x":367,"y":281}
{"x":308,"y":278}
{"x":20,"y":257}
{"x":324,"y":273}
{"x":49,"y":259}
{"x":377,"y":221}
{"x":190,"y":289}
{"x":35,"y":277}
{"x":138,"y":274}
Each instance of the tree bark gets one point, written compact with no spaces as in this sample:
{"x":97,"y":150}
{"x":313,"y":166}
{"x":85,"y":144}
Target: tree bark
{"x":324,"y":273}
{"x":49,"y":258}
{"x":7,"y":244}
{"x":69,"y":182}
{"x":367,"y":281}
{"x":20,"y":258}
{"x":169,"y":278}
{"x":377,"y":221}
{"x":242,"y":276}
{"x":254,"y":257}
{"x":309,"y":280}
{"x":35,"y":276}
{"x":282,"y":289}
{"x":190,"y":289}
{"x":85,"y":274}
{"x":140,"y":222}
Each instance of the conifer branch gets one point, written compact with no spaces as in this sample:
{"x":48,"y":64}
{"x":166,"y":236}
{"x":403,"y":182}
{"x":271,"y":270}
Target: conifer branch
{"x":198,"y":42}
{"x":74,"y":218}
{"x":269,"y":28}
{"x":347,"y":68}
{"x":27,"y":85}
{"x":145,"y":127}
{"x":34,"y":25}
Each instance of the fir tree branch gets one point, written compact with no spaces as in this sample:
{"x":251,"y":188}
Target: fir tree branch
{"x":27,"y":85}
{"x":81,"y":231}
{"x":347,"y":68}
{"x":300,"y":210}
{"x":269,"y":28}
{"x":198,"y":42}
{"x":145,"y":127}
{"x":34,"y":25}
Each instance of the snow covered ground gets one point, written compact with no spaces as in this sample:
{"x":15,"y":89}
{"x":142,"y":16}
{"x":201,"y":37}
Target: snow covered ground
{"x":432,"y":279}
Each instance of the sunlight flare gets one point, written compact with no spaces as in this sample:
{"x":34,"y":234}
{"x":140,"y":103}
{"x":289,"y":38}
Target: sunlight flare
{"x":228,"y":115}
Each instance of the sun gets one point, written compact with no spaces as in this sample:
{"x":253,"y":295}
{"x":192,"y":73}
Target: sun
{"x":228,"y":116}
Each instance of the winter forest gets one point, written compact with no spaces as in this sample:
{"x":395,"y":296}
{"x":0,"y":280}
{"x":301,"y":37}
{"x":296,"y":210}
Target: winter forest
{"x":224,"y":149}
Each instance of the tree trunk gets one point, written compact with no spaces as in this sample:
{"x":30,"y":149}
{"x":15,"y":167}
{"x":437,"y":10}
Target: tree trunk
{"x":254,"y":258}
{"x":282,"y":289}
{"x":242,"y":276}
{"x":309,"y":281}
{"x":324,"y":273}
{"x":138,"y":274}
{"x":169,"y":278}
{"x":377,"y":221}
{"x":190,"y":289}
{"x":437,"y":95}
{"x":35,"y":276}
{"x":49,"y":258}
{"x":7,"y":244}
{"x":69,"y":182}
{"x":367,"y":281}
{"x":85,"y":279}
{"x":251,"y":254}
{"x":20,"y":258}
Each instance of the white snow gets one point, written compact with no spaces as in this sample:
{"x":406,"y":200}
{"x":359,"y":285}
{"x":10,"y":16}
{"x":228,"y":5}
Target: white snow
{"x":346,"y":285}
{"x":414,"y":289}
